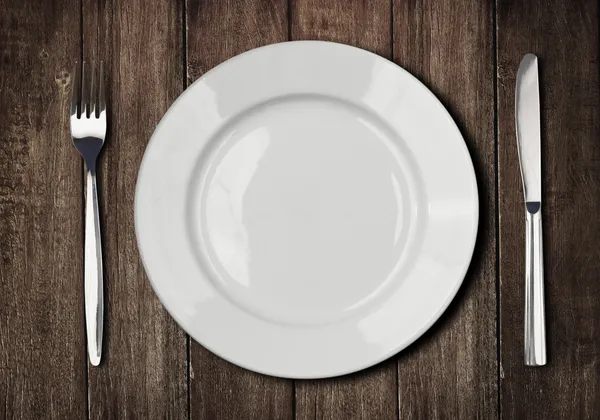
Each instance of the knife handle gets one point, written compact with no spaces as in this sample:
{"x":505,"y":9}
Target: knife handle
{"x":535,"y":328}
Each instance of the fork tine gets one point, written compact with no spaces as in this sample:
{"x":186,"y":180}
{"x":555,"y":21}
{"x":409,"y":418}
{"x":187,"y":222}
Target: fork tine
{"x":76,"y":89}
{"x":84,"y":92}
{"x":93,"y":92}
{"x":101,"y":95}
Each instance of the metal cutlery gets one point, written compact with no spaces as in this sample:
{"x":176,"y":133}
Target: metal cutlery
{"x":88,"y":130}
{"x":527,"y":113}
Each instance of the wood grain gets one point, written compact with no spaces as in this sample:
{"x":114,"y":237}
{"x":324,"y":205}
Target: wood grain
{"x":219,"y":30}
{"x":42,"y":342}
{"x":452,"y":371}
{"x":364,"y":24}
{"x":564,"y":35}
{"x":144,"y":372}
{"x":216,"y":31}
{"x":152,"y":50}
{"x":370,"y":394}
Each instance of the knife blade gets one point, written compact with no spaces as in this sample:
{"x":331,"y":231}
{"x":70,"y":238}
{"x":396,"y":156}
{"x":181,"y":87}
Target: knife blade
{"x":528,"y":128}
{"x":527,"y":116}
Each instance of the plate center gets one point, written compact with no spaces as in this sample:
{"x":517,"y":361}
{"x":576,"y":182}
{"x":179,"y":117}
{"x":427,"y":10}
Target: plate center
{"x":302,"y":208}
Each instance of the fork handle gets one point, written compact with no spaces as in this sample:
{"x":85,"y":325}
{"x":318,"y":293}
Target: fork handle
{"x":94,"y":294}
{"x":535,"y":328}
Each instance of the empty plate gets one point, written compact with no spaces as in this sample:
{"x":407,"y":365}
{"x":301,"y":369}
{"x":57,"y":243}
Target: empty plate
{"x":306,"y":209}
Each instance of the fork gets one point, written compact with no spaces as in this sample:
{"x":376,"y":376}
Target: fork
{"x":88,"y":130}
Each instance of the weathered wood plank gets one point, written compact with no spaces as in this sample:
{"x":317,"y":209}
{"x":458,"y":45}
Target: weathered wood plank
{"x":362,"y":24}
{"x":452,"y":371}
{"x":370,"y":394}
{"x":216,"y":31}
{"x":42,"y":339}
{"x":564,"y":35}
{"x":219,"y":30}
{"x":144,"y":371}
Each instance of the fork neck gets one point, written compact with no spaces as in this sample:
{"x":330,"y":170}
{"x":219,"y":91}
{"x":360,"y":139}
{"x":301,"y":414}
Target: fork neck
{"x":90,"y":164}
{"x":91,"y":168}
{"x":89,"y":148}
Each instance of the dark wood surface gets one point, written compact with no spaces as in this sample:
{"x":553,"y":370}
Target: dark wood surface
{"x":469,"y":365}
{"x":566,"y":41}
{"x":42,"y":365}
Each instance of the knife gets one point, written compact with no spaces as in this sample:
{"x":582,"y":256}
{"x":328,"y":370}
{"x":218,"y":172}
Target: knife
{"x":527,"y":113}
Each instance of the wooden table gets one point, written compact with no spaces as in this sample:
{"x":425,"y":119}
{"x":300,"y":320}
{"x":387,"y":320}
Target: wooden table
{"x":469,"y":365}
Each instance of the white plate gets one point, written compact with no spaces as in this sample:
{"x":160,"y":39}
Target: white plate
{"x":306,"y":209}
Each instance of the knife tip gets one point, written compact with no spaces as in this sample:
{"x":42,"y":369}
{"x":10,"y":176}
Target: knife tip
{"x":529,"y":61}
{"x":529,"y":58}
